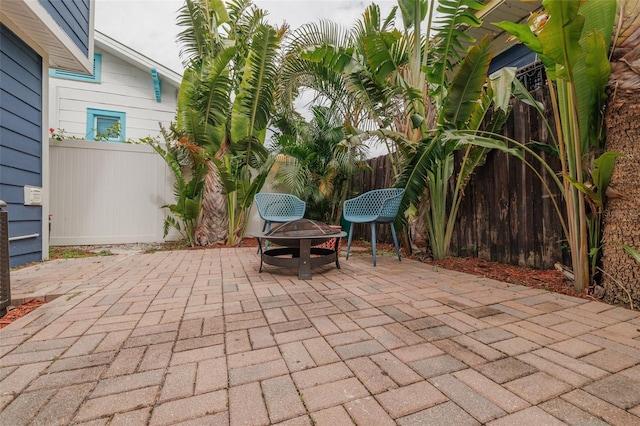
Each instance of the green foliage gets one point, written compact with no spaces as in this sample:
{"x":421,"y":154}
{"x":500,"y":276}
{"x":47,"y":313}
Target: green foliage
{"x":226,"y":98}
{"x":410,"y":88}
{"x":109,"y":133}
{"x":632,"y":252}
{"x":320,"y":163}
{"x":240,"y":184}
{"x":573,"y":44}
{"x":458,"y":97}
{"x":74,"y":253}
{"x":189,"y":170}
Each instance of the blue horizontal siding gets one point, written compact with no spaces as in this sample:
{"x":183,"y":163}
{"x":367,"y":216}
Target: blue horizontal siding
{"x":23,"y":217}
{"x":20,"y":142}
{"x":10,"y":175}
{"x":20,"y":159}
{"x":25,"y":118}
{"x":29,"y":144}
{"x":12,"y":67}
{"x":518,"y":56}
{"x":11,"y":194}
{"x":73,"y":18}
{"x":24,"y":252}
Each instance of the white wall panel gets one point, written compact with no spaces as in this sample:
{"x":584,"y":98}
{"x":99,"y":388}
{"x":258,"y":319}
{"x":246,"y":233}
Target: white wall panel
{"x":107,"y":193}
{"x":123,"y":88}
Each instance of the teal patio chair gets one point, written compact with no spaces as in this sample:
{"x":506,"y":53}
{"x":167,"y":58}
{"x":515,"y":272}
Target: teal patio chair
{"x":373,"y":207}
{"x":278,"y":208}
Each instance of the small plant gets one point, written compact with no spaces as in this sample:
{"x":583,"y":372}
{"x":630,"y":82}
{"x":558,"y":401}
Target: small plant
{"x":74,"y":253}
{"x":76,"y":294}
{"x":56,"y":135}
{"x":60,"y":134}
{"x":189,"y":167}
{"x":109,"y":134}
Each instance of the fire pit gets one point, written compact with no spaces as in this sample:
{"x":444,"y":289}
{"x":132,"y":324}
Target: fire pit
{"x":297,"y":240}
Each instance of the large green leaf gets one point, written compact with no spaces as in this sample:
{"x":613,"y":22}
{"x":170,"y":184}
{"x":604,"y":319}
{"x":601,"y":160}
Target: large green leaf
{"x":447,"y":44}
{"x":467,"y":85}
{"x":412,"y":11}
{"x":603,"y":171}
{"x":379,"y":55}
{"x":633,"y":252}
{"x":253,"y":105}
{"x":501,"y":86}
{"x":204,"y":102}
{"x":335,"y":58}
{"x":201,"y":19}
{"x":561,"y":34}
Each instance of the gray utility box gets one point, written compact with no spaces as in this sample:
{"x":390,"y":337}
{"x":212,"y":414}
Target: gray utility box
{"x":5,"y":284}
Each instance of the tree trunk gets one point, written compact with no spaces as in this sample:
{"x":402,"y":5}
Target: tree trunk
{"x":622,"y":119}
{"x":214,"y":224}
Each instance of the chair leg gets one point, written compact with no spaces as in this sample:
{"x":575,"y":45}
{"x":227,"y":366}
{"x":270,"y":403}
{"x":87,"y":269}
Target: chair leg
{"x":266,"y":243}
{"x":264,"y":226}
{"x":349,"y":240}
{"x":395,"y":240}
{"x":373,"y":242}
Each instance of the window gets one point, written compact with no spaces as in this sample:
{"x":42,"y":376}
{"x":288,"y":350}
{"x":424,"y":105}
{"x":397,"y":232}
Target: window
{"x":94,"y":78}
{"x":105,"y":125}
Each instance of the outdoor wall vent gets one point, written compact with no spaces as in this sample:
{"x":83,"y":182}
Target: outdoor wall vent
{"x":32,"y":196}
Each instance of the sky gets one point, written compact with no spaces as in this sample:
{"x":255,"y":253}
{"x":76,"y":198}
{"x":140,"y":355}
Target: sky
{"x":148,"y":26}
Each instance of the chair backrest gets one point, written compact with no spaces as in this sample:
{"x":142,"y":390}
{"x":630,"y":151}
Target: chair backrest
{"x":273,"y":205}
{"x":383,"y":203}
{"x":391,"y":204}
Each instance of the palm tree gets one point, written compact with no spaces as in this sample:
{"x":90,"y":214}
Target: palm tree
{"x":415,"y":87}
{"x":320,"y":164}
{"x":622,"y":218}
{"x":330,"y":61}
{"x":225,"y":105}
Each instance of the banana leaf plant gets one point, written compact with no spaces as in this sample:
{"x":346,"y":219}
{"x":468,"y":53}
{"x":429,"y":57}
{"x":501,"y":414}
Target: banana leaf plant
{"x":225,"y":104}
{"x":186,"y":162}
{"x":414,"y":84}
{"x":572,"y":39}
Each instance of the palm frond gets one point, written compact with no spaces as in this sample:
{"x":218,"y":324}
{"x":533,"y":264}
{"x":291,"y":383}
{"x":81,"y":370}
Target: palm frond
{"x":252,"y":106}
{"x":448,"y":39}
{"x":467,"y":86}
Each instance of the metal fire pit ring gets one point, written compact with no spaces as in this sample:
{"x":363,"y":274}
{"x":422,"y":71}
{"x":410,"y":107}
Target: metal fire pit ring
{"x":298,"y":251}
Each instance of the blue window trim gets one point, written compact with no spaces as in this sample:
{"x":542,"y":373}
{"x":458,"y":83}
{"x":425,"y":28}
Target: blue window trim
{"x":157,"y":84}
{"x":94,"y":113}
{"x":96,"y":77}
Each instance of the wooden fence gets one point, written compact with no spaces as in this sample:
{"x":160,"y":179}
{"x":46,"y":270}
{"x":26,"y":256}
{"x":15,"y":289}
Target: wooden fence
{"x":506,"y":215}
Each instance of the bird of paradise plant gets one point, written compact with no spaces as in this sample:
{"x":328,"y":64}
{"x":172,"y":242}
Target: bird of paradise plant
{"x":415,"y":84}
{"x":572,"y":39}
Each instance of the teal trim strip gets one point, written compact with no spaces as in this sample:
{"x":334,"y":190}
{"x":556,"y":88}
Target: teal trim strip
{"x":96,"y":77}
{"x":157,"y":84}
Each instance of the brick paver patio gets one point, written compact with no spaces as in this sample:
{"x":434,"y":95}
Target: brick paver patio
{"x":201,"y":338}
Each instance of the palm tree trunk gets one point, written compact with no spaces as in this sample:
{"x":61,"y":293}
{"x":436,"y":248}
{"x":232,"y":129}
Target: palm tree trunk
{"x":214,"y":223}
{"x":622,"y":120}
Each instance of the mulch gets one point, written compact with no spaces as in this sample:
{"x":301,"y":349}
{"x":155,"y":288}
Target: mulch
{"x":19,"y":311}
{"x":550,"y":280}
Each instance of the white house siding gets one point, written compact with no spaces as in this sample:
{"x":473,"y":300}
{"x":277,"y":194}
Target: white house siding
{"x":107,"y":193}
{"x":123,"y":88}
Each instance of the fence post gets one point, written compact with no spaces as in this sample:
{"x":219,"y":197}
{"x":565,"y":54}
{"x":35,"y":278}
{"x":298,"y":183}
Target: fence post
{"x":5,"y":284}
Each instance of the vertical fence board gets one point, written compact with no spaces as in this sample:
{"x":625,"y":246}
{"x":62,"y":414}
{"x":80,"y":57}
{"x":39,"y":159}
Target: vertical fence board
{"x":506,"y":214}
